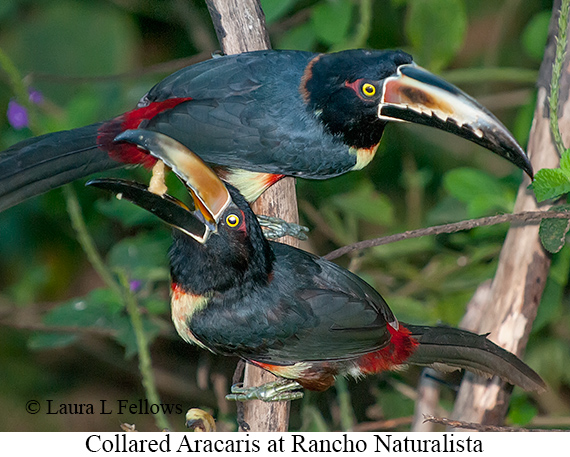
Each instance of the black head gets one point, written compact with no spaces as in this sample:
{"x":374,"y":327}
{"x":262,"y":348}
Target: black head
{"x":218,"y":243}
{"x":355,"y":93}
{"x":236,"y":256}
{"x":344,"y":90}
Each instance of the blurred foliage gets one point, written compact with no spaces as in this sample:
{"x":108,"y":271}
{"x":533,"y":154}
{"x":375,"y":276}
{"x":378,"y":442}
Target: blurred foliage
{"x":86,"y":58}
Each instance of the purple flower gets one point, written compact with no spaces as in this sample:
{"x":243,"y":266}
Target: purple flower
{"x":135,"y":285}
{"x":36,"y":96}
{"x":17,"y":115}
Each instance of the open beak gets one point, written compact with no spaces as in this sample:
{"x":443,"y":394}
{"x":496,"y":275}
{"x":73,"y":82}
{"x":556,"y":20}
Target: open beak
{"x":209,"y":193}
{"x":415,"y":95}
{"x":167,"y":208}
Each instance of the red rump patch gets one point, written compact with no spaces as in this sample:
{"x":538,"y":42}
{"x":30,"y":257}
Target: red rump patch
{"x":126,"y":152}
{"x":401,"y":346}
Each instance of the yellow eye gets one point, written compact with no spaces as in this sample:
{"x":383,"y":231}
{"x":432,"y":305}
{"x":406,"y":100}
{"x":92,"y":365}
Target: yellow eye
{"x":232,"y":220}
{"x":368,"y":89}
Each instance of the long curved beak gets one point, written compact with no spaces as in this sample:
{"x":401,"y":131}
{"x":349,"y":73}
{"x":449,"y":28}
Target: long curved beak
{"x":415,"y":95}
{"x":169,"y":209}
{"x":209,"y":192}
{"x":210,"y":195}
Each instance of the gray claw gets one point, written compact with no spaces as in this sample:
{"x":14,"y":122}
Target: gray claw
{"x":280,"y":390}
{"x":275,"y":227}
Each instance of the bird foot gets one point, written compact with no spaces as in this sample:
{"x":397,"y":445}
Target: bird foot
{"x":280,"y":390}
{"x":274,"y":227}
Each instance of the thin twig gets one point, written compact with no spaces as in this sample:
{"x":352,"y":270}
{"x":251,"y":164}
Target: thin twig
{"x":525,"y":216}
{"x":122,"y":289}
{"x":86,"y":241}
{"x":145,"y":364}
{"x":483,"y":427}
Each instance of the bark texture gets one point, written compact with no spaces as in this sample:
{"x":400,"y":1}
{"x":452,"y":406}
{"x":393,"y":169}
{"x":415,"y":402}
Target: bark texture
{"x":515,"y":293}
{"x":240,"y":27}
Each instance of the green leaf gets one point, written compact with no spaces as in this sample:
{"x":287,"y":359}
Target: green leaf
{"x":51,"y":340}
{"x":72,"y":38}
{"x":481,"y":192}
{"x":331,"y":20}
{"x":7,"y":8}
{"x":410,"y":309}
{"x":447,"y":209}
{"x":413,"y":246}
{"x":553,"y":231}
{"x":521,"y":412}
{"x":394,"y":403}
{"x":366,"y":204}
{"x":156,"y":306}
{"x":126,"y":334}
{"x":550,"y":356}
{"x":82,"y":108}
{"x":550,"y":183}
{"x":302,"y":38}
{"x":142,"y":257}
{"x":97,"y":309}
{"x":535,"y":34}
{"x":275,"y":9}
{"x":436,"y":29}
{"x":565,"y":163}
{"x":128,"y":214}
{"x":100,"y":309}
{"x":523,"y":120}
{"x":551,"y":302}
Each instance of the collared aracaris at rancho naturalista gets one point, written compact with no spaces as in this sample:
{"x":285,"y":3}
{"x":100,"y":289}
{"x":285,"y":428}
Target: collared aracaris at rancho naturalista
{"x":301,"y":317}
{"x":259,"y":116}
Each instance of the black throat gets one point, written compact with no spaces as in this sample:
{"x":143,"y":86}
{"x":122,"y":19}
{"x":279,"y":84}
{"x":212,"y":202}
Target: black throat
{"x":230,"y":261}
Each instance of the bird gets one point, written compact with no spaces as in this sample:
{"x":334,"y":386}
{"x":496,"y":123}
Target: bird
{"x":299,"y":316}
{"x":258,"y":116}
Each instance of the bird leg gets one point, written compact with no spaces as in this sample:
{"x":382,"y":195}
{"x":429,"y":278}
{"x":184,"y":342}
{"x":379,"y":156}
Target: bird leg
{"x":274,"y":227}
{"x":280,"y":390}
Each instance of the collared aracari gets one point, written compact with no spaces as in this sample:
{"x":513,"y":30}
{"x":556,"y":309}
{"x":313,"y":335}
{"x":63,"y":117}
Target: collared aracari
{"x":301,"y":317}
{"x":259,"y":116}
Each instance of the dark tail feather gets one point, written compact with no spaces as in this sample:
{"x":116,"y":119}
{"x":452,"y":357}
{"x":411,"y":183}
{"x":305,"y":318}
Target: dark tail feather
{"x":451,"y":348}
{"x":42,"y":163}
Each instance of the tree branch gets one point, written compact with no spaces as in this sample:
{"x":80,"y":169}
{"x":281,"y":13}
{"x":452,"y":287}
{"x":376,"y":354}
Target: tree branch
{"x":481,"y":427}
{"x":514,"y":296}
{"x":240,"y":26}
{"x":525,"y":217}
